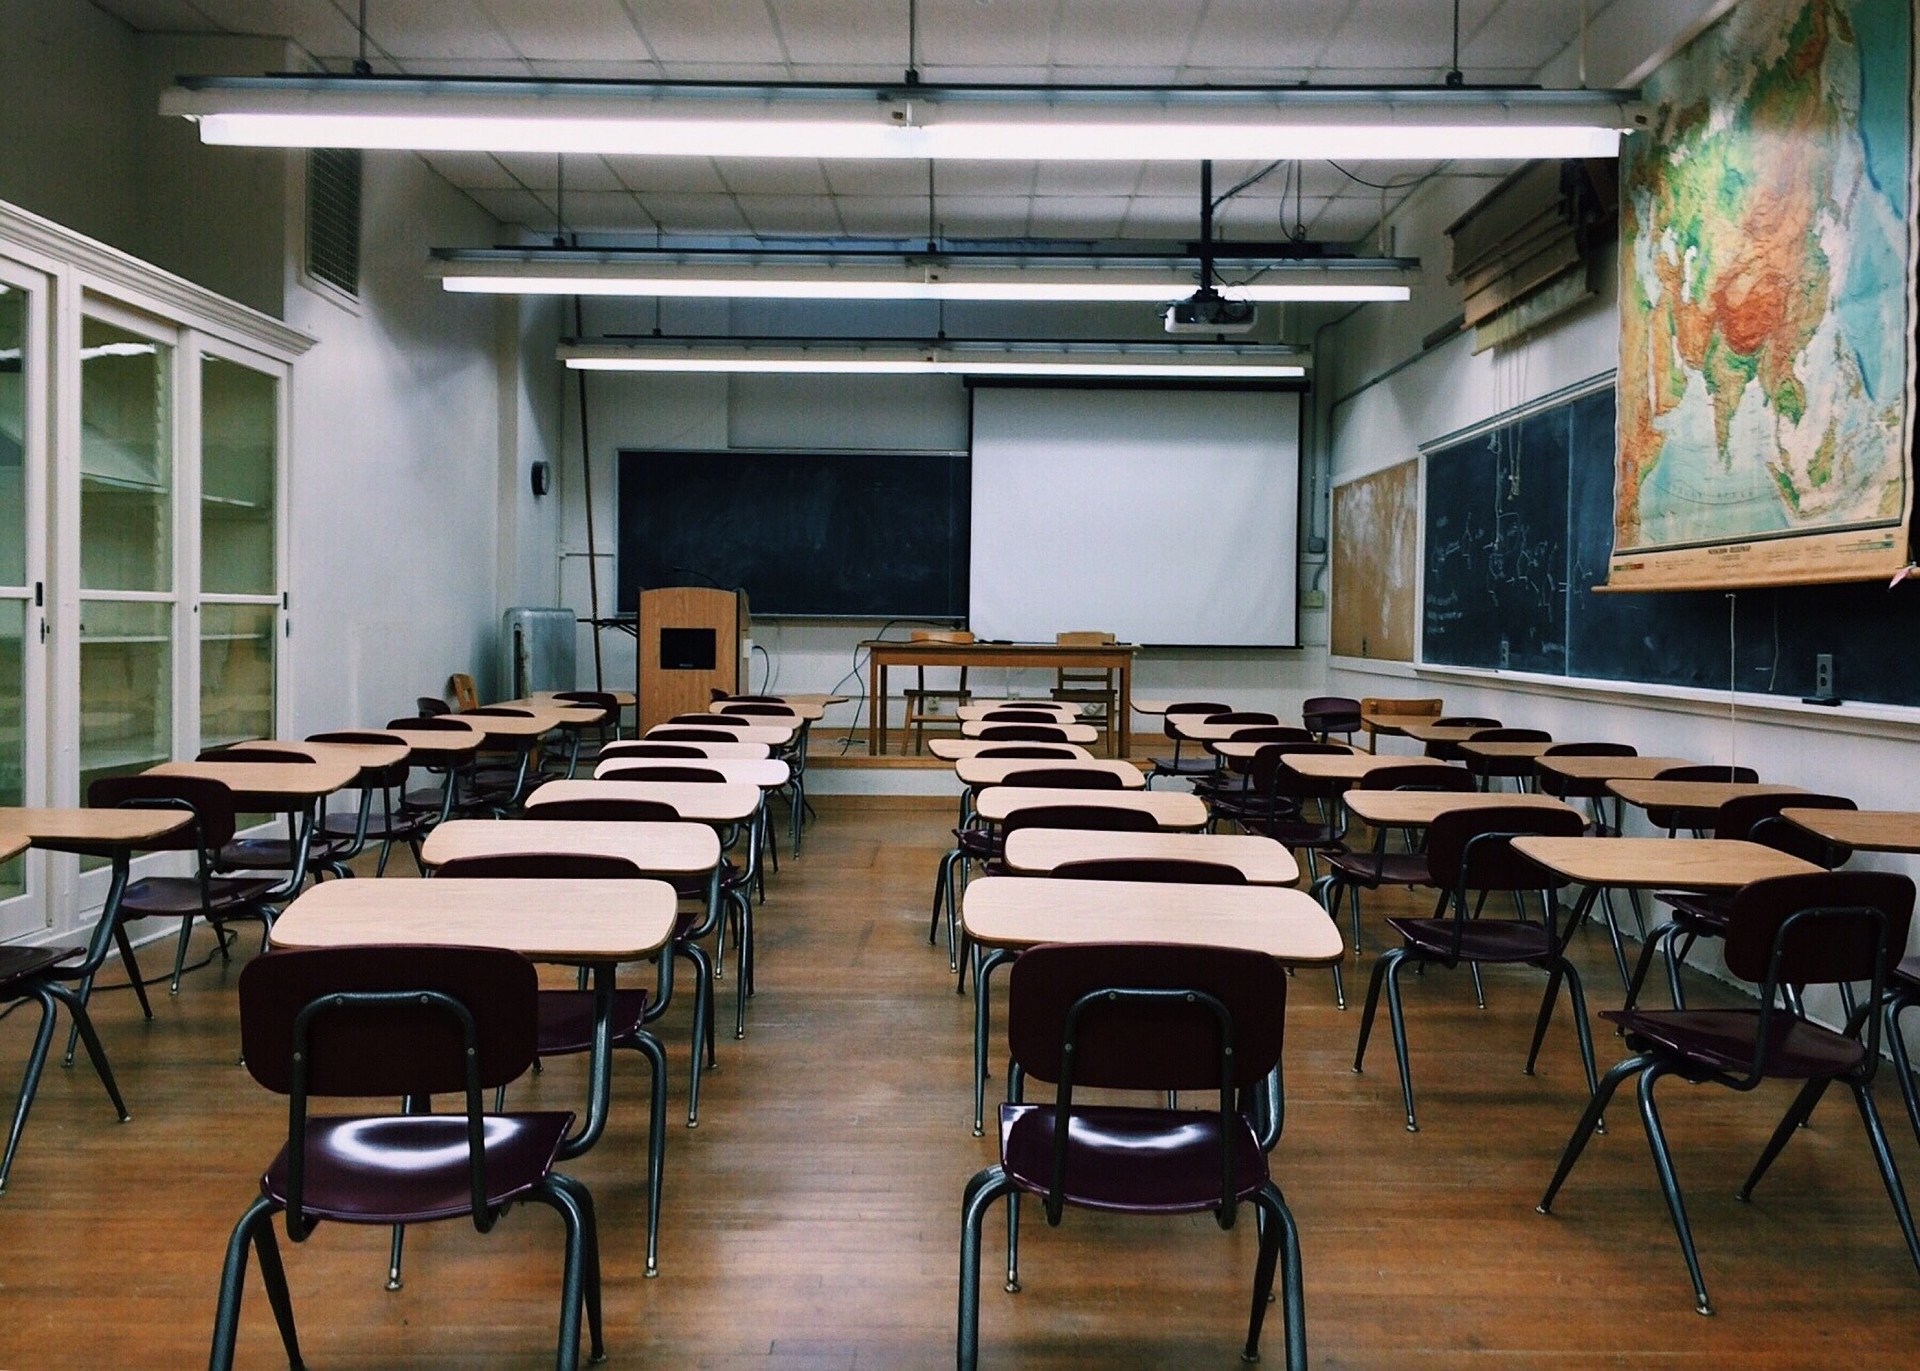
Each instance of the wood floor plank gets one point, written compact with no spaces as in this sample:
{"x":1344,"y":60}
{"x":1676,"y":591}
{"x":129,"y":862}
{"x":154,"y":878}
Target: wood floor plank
{"x":811,"y":1221}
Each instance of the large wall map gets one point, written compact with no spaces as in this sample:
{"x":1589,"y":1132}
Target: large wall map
{"x":1766,"y":376}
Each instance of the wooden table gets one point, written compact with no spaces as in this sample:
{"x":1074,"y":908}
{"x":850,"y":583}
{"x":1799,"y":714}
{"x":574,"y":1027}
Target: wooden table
{"x":1701,"y":864}
{"x":622,"y":699}
{"x":1195,"y":729}
{"x":885,"y":654}
{"x":564,"y":713}
{"x":1866,"y":830}
{"x":985,"y":771}
{"x":1037,"y":851}
{"x":1004,"y":915}
{"x":1069,"y":733}
{"x":1702,"y":795}
{"x":1577,"y":768}
{"x":1419,"y":808}
{"x":726,"y":803}
{"x":12,"y":845}
{"x":812,"y":707}
{"x":1392,"y":723}
{"x":441,"y":746}
{"x":1492,"y":751}
{"x":743,"y":752}
{"x":957,"y":749}
{"x":1449,"y":733}
{"x":595,"y":924}
{"x":1169,"y":808}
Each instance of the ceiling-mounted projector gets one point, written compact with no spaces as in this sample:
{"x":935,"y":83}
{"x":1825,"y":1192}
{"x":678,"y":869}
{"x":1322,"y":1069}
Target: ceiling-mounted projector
{"x":1208,"y":311}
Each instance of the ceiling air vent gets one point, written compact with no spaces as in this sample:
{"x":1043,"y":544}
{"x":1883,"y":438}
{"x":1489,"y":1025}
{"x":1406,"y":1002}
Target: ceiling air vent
{"x":333,"y":218}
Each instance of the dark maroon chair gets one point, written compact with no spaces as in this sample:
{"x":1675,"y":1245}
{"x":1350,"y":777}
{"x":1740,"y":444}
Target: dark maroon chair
{"x":442,"y":801}
{"x":566,"y":1016}
{"x":1594,"y":792}
{"x":1016,"y":715}
{"x":678,"y":734}
{"x":606,"y":729}
{"x":1031,"y":752}
{"x":1673,"y":818}
{"x":1824,"y":929}
{"x":1450,"y":752}
{"x":1164,"y":870}
{"x":1278,"y":799}
{"x":1148,"y":1017}
{"x":40,"y":974}
{"x":1023,"y":733}
{"x":1470,"y":852}
{"x":431,"y":706}
{"x":1062,"y":778}
{"x":645,"y":770}
{"x":412,"y":1022}
{"x":706,"y":720}
{"x":1489,"y":769}
{"x":1245,"y":786}
{"x":1235,"y":777}
{"x":395,"y":823}
{"x":1325,"y":715}
{"x":761,"y":709}
{"x":1177,"y":766}
{"x":324,"y":853}
{"x":1903,"y":994}
{"x":635,"y":749}
{"x":1350,"y":872}
{"x":1753,"y":818}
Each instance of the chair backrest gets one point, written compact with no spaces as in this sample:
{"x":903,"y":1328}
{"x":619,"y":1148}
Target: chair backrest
{"x":604,"y":699}
{"x":1163,"y":1044}
{"x":1083,"y":678}
{"x":1756,"y":818}
{"x":210,"y":802}
{"x":1471,"y":849}
{"x":386,"y":776}
{"x":1165,"y":870}
{"x":281,"y":755}
{"x":721,"y":697}
{"x":707,"y":720}
{"x":1023,"y":733}
{"x":1417,"y":775}
{"x":1331,"y":713}
{"x":396,"y":1047}
{"x":642,"y":770}
{"x":692,"y":735}
{"x":1513,"y":735}
{"x":1016,"y":715}
{"x":754,"y":709}
{"x":1465,"y":721}
{"x":1206,"y":709}
{"x":540,"y":866}
{"x":460,"y":687}
{"x":1063,"y":778}
{"x":431,"y":706}
{"x":632,"y":749}
{"x":1591,"y":750}
{"x":1029,"y":752}
{"x":1732,"y":775}
{"x":501,"y":712}
{"x":1273,"y":733}
{"x":1243,"y":716}
{"x":1099,"y":818}
{"x":1834,"y":942}
{"x":609,"y":811}
{"x":938,"y":635}
{"x":1269,"y":777}
{"x":427,"y":723}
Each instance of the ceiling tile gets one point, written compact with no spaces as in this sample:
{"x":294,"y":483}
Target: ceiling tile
{"x":712,"y":31}
{"x":161,"y":16}
{"x":515,"y":207}
{"x":1088,"y":178}
{"x":437,"y":31}
{"x":1252,"y":34}
{"x":984,"y":216}
{"x":860,"y":32}
{"x":986,"y":33}
{"x":471,"y":170}
{"x":576,"y":31}
{"x":880,"y":178}
{"x":985,"y":178}
{"x":601,"y":211}
{"x":541,"y":171}
{"x":667,"y":175}
{"x":1146,"y":36}
{"x":695,"y":213}
{"x":883,"y":216}
{"x":773,"y":175}
{"x":316,"y":25}
{"x":1078,"y":216}
{"x":773,"y":216}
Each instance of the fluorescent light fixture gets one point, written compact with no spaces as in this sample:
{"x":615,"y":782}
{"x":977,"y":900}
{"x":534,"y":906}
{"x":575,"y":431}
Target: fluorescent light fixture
{"x":1146,"y":361}
{"x":980,"y":123}
{"x":564,"y":272}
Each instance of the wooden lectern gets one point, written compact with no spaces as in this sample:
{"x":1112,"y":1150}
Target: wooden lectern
{"x":691,"y":643}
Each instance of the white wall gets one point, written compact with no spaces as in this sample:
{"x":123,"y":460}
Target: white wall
{"x":1386,"y":399}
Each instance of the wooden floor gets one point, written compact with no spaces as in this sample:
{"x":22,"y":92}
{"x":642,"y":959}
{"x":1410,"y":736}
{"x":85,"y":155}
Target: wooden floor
{"x":812,"y":1219}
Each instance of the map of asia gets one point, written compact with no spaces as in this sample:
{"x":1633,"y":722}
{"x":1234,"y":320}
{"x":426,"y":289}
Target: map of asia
{"x":1765,"y":390}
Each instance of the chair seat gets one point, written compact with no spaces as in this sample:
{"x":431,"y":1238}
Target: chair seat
{"x":1697,"y":913}
{"x":398,"y":1169}
{"x":275,"y":854}
{"x":566,"y":1019}
{"x":1483,"y":940}
{"x":1296,"y":832}
{"x":18,"y":963}
{"x":1371,"y":869}
{"x":1723,"y":1040}
{"x":977,"y":842}
{"x":1131,"y":1161}
{"x":693,"y":885}
{"x":175,"y":897}
{"x":1185,"y":766}
{"x":404,"y":825}
{"x":1907,"y":975}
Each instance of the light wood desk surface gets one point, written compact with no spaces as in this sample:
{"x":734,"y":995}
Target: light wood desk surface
{"x":1679,"y":863}
{"x":767,"y":773}
{"x":738,"y":752}
{"x":956,"y":749}
{"x":727,"y":803}
{"x":366,"y":756}
{"x":548,"y":921}
{"x":1153,"y":706}
{"x":561,"y":711}
{"x":1195,"y":729}
{"x":294,"y":782}
{"x":1869,"y":830}
{"x":441,"y":746}
{"x":985,"y":771}
{"x":1418,"y":808}
{"x":1037,"y":851}
{"x":681,"y":849}
{"x":1346,"y":767}
{"x":1451,"y":733}
{"x":1071,"y":733}
{"x":12,"y":844}
{"x":1395,"y":723}
{"x":511,"y":727}
{"x":788,"y":716}
{"x":1243,"y":751}
{"x":977,"y":708}
{"x":1169,"y":808}
{"x":1691,"y":794}
{"x":1609,"y":768}
{"x":1491,"y":751}
{"x":1025,"y":911}
{"x":100,"y":827}
{"x":806,"y":706}
{"x":742,"y":733}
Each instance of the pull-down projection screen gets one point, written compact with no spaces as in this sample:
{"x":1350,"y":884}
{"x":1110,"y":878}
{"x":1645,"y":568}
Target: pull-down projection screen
{"x":1166,"y":517}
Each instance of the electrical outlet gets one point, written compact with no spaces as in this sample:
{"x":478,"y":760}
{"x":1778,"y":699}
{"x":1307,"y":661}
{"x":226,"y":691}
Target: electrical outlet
{"x":1506,"y":655}
{"x":1823,"y":674}
{"x":1313,"y":599}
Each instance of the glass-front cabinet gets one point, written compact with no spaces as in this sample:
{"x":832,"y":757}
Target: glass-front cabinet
{"x":143,"y":438}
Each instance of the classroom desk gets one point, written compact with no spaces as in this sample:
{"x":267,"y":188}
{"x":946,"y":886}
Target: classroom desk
{"x":367,"y":757}
{"x":1004,"y":915}
{"x":1700,"y":864}
{"x":595,"y":924}
{"x":12,"y":845}
{"x":768,"y":773}
{"x":295,"y":789}
{"x":1865,"y":830}
{"x":1379,"y":723}
{"x":1172,"y":809}
{"x":812,"y":708}
{"x":771,"y":735}
{"x":1504,"y":751}
{"x":958,"y":749}
{"x":884,"y":655}
{"x":441,"y":746}
{"x":1419,"y":808}
{"x":564,"y":713}
{"x":976,"y":709}
{"x":1159,"y":707}
{"x":707,"y":803}
{"x":1037,"y":851}
{"x":1341,"y":768}
{"x":1448,"y":733}
{"x":1696,"y":795}
{"x":985,"y":771}
{"x":1576,"y":768}
{"x":668,"y":849}
{"x":511,"y":730}
{"x":720,"y":752}
{"x":622,"y":699}
{"x":1194,"y":729}
{"x":1070,"y":733}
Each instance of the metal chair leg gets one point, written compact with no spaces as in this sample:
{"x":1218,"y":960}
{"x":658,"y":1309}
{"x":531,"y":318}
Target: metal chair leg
{"x":573,"y":1278}
{"x":29,"y":1087}
{"x":1889,"y":1175}
{"x":1545,"y":1016}
{"x":1366,"y":1014}
{"x":1585,"y":1128}
{"x":1902,"y":1063}
{"x":1649,"y":947}
{"x":1397,"y":1018}
{"x":233,"y":1277}
{"x":982,"y":1190}
{"x":1670,"y":1185}
{"x":1797,"y":1112}
{"x":1013,"y":1243}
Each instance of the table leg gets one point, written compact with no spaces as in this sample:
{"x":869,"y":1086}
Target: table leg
{"x":600,"y":1074}
{"x":982,"y":1013}
{"x":1123,"y":739}
{"x":876,"y":704}
{"x":100,"y":942}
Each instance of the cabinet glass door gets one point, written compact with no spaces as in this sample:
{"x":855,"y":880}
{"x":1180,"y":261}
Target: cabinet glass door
{"x":23,"y":362}
{"x":239,"y":546}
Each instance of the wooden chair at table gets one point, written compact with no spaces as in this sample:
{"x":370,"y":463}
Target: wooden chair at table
{"x":460,"y":687}
{"x":1098,"y":687}
{"x":921,"y":695}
